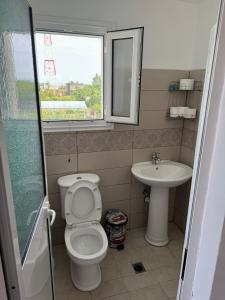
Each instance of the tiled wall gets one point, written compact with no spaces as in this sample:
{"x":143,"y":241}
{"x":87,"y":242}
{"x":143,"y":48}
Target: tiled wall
{"x":189,"y":135}
{"x":110,"y":154}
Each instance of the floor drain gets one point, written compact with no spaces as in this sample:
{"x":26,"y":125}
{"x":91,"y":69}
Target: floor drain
{"x":138,"y":268}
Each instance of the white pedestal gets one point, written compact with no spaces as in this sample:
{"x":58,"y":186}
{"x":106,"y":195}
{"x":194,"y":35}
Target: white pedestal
{"x":85,"y":277}
{"x":157,"y":228}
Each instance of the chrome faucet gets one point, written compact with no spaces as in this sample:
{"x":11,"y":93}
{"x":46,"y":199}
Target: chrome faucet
{"x":155,"y":158}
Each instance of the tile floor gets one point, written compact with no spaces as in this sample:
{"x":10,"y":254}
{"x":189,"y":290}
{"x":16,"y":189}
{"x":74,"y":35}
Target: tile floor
{"x":119,"y":281}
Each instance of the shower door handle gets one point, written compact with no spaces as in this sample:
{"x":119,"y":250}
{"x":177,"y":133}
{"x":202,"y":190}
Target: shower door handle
{"x":52,"y":214}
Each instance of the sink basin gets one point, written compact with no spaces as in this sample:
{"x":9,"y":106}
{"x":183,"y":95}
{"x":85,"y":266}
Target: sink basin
{"x":160,"y":177}
{"x":165,"y":174}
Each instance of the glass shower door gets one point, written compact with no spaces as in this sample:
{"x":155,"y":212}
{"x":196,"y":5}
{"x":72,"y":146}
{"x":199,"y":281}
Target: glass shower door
{"x":21,"y":128}
{"x":18,"y":101}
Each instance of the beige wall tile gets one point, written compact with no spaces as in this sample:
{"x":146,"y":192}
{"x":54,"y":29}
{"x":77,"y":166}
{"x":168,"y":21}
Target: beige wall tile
{"x":155,"y":79}
{"x":110,"y":155}
{"x":157,"y":138}
{"x":114,"y":176}
{"x":52,"y":183}
{"x":194,"y":140}
{"x":198,"y":76}
{"x":138,"y":220}
{"x":161,"y":100}
{"x":123,"y":205}
{"x":154,"y":100}
{"x":181,"y":204}
{"x":187,"y":138}
{"x":190,"y":124}
{"x":180,"y":220}
{"x":104,"y":160}
{"x":58,"y":236}
{"x":58,"y":164}
{"x":55,"y":202}
{"x":137,"y":189}
{"x":104,"y":141}
{"x":121,"y":127}
{"x":172,"y":195}
{"x":194,"y":100}
{"x":138,"y":205}
{"x":170,"y":153}
{"x":115,"y":192}
{"x":187,"y":156}
{"x":157,"y":120}
{"x":59,"y":222}
{"x":60,"y":143}
{"x":182,"y":197}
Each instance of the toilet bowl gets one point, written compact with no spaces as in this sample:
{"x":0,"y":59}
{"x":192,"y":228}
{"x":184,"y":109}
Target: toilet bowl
{"x":85,"y":239}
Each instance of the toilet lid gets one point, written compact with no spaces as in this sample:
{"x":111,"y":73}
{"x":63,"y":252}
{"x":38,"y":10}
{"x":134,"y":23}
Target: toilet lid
{"x":83,"y":203}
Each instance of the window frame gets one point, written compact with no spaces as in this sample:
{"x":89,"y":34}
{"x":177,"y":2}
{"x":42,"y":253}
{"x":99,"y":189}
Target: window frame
{"x":136,"y":34}
{"x":44,"y":23}
{"x":78,"y":27}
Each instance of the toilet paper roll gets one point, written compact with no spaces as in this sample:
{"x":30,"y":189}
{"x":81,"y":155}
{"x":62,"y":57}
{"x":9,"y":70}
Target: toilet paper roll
{"x":190,"y":113}
{"x":187,"y":84}
{"x":174,"y":112}
{"x":181,"y":110}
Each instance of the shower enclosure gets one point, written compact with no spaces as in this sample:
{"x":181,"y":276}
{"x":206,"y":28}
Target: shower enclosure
{"x":24,"y":210}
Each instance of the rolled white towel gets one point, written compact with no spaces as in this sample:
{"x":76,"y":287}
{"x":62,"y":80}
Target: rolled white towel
{"x":190,"y":113}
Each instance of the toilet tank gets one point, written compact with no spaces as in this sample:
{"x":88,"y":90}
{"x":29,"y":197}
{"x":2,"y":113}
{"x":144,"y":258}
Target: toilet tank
{"x":67,"y":181}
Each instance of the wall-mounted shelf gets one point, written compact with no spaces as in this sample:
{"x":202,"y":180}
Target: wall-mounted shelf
{"x":168,"y":117}
{"x":174,"y":87}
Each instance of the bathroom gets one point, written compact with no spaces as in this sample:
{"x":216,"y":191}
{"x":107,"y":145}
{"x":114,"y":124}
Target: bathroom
{"x":175,"y":41}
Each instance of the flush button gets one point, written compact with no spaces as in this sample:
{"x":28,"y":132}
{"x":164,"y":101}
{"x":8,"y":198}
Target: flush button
{"x":79,"y":177}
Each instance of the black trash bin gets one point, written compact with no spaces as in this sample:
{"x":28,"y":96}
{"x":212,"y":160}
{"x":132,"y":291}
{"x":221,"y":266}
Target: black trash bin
{"x":115,"y":227}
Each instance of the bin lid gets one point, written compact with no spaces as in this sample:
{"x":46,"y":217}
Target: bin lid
{"x":116,"y":217}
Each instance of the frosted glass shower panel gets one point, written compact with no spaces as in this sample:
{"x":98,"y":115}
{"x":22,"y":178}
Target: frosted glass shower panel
{"x":18,"y":104}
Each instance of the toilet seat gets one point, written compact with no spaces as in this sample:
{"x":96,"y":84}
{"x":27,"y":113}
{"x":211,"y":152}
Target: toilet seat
{"x":83,"y":203}
{"x":87,"y":243}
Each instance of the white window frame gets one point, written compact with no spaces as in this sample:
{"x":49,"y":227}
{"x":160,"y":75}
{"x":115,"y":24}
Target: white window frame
{"x":136,"y":35}
{"x":78,"y":26}
{"x":73,"y":26}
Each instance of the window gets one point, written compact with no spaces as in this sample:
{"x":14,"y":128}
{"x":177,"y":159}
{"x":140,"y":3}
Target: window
{"x":123,"y":75}
{"x":71,"y":78}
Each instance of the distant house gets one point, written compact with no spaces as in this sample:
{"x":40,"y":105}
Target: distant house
{"x":72,"y":86}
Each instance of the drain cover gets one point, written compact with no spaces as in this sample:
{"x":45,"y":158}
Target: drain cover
{"x":138,"y":267}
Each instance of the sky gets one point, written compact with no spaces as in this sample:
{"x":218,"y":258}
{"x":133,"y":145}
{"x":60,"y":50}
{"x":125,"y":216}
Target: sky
{"x":77,"y":58}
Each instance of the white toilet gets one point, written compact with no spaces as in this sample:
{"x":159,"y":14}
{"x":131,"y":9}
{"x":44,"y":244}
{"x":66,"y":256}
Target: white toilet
{"x":85,"y":238}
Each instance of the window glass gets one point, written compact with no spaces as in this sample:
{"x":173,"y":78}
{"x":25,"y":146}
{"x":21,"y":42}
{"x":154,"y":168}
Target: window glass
{"x":70,"y":76}
{"x":122,"y":50}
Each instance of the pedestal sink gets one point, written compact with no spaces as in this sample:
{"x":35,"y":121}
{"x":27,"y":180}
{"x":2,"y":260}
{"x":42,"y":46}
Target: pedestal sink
{"x":160,"y":177}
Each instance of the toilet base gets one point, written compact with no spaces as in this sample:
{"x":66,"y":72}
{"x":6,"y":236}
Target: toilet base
{"x":85,"y":277}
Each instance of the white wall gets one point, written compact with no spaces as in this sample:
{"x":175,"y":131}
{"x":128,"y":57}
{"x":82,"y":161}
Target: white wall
{"x":169,"y":33}
{"x":207,"y":16}
{"x":175,"y":30}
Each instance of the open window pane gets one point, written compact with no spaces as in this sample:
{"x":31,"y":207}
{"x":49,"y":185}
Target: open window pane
{"x":122,"y":74}
{"x":70,"y":76}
